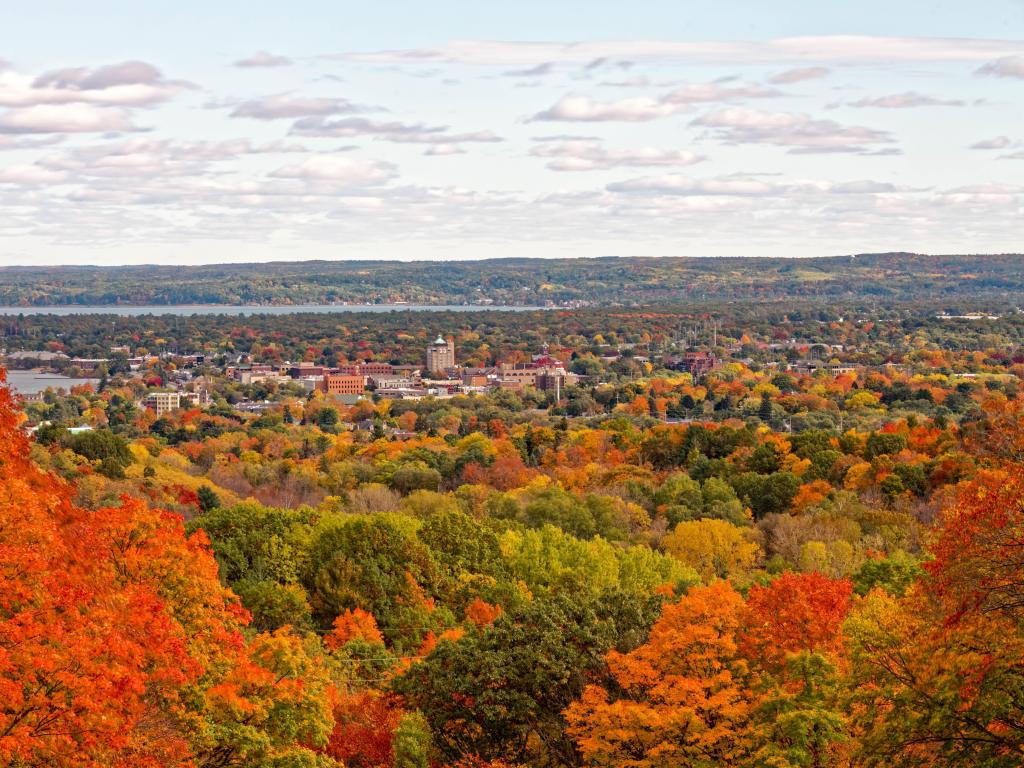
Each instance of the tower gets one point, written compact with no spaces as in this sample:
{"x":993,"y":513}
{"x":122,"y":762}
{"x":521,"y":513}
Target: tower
{"x":440,"y":355}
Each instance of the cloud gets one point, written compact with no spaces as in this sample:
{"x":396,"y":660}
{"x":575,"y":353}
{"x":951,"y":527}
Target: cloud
{"x":799,"y":75}
{"x":150,"y":158}
{"x":1007,"y":66}
{"x":997,"y":142}
{"x":441,"y":150}
{"x":710,"y":92}
{"x":285,"y":106}
{"x":430,"y":137}
{"x":346,"y":171}
{"x":546,"y":68}
{"x":583,"y":109}
{"x":263,"y":59}
{"x":800,"y":132}
{"x":644,"y":108}
{"x":864,"y":187}
{"x":30,"y":175}
{"x":128,"y":84}
{"x":1013,"y":156}
{"x":592,"y":156}
{"x":637,"y":81}
{"x":906,"y":100}
{"x":675,"y":184}
{"x":29,"y":142}
{"x":408,"y":133}
{"x":65,"y":118}
{"x":845,"y":49}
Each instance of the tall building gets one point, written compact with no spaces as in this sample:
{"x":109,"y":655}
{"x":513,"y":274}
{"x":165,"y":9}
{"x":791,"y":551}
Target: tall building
{"x":440,"y":355}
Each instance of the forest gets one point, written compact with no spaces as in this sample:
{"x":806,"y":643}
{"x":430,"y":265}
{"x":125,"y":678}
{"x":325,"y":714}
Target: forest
{"x":753,"y":567}
{"x":527,"y":282}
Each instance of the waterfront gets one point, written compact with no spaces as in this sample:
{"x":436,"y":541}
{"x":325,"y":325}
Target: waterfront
{"x":31,"y":382}
{"x":269,"y":309}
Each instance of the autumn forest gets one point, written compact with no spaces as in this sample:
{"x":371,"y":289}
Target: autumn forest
{"x":755,"y":534}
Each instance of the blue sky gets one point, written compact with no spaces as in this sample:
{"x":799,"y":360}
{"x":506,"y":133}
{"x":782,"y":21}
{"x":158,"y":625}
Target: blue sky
{"x":191,"y":132}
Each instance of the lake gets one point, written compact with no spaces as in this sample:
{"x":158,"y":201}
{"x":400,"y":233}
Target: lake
{"x":30,"y":382}
{"x":226,"y":309}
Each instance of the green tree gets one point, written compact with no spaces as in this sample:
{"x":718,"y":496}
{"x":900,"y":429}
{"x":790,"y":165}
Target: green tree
{"x":501,"y":694}
{"x":412,"y":741}
{"x":208,"y":498}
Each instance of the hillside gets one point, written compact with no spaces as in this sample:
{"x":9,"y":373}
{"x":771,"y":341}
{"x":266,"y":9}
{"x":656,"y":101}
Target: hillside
{"x":623,"y":281}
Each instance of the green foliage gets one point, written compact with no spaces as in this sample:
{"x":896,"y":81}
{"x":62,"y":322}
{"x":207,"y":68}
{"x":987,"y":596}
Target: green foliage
{"x":412,"y":742}
{"x":369,"y":563}
{"x":258,"y":543}
{"x":766,"y":494}
{"x":102,"y":445}
{"x":501,"y":694}
{"x":894,"y":574}
{"x":208,"y":498}
{"x":883,"y":443}
{"x":798,"y":725}
{"x":274,"y":605}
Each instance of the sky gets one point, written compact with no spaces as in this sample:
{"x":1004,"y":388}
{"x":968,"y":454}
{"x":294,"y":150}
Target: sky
{"x":194,"y":132}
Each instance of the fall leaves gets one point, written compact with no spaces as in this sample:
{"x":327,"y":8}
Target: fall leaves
{"x":473,"y":629}
{"x":700,"y":690}
{"x":120,"y":647}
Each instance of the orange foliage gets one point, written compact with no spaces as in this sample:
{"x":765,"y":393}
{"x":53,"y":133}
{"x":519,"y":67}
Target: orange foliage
{"x":364,"y":730}
{"x":482,"y":613}
{"x":795,"y":612}
{"x":354,"y":624}
{"x":686,"y":699}
{"x":104,"y":616}
{"x":810,"y":494}
{"x":431,"y":640}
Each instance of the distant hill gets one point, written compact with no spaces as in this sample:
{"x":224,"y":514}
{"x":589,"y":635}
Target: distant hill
{"x":605,"y":281}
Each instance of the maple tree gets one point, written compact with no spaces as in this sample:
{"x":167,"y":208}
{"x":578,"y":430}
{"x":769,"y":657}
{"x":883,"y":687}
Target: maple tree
{"x":937,"y":676}
{"x":81,"y":648}
{"x":685,"y":694}
{"x":120,"y":647}
{"x":795,"y":612}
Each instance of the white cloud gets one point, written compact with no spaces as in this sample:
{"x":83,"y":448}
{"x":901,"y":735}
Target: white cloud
{"x":432,"y":137}
{"x":583,"y":109}
{"x":342,"y":170}
{"x":592,"y":156}
{"x":864,"y":187}
{"x":997,"y":142}
{"x":1007,"y":66}
{"x":29,"y":142}
{"x":441,"y":150}
{"x":798,"y":131}
{"x":644,"y":108}
{"x":30,"y":175}
{"x":674,"y":184}
{"x":263,"y":59}
{"x":906,"y":100}
{"x":65,"y":118}
{"x":150,"y":158}
{"x":848,"y":49}
{"x":396,"y":131}
{"x":286,"y":106}
{"x":799,"y":75}
{"x":128,"y":84}
{"x":711,"y":92}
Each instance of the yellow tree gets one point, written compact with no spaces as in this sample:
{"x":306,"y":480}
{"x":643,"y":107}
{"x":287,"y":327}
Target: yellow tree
{"x":713,"y":548}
